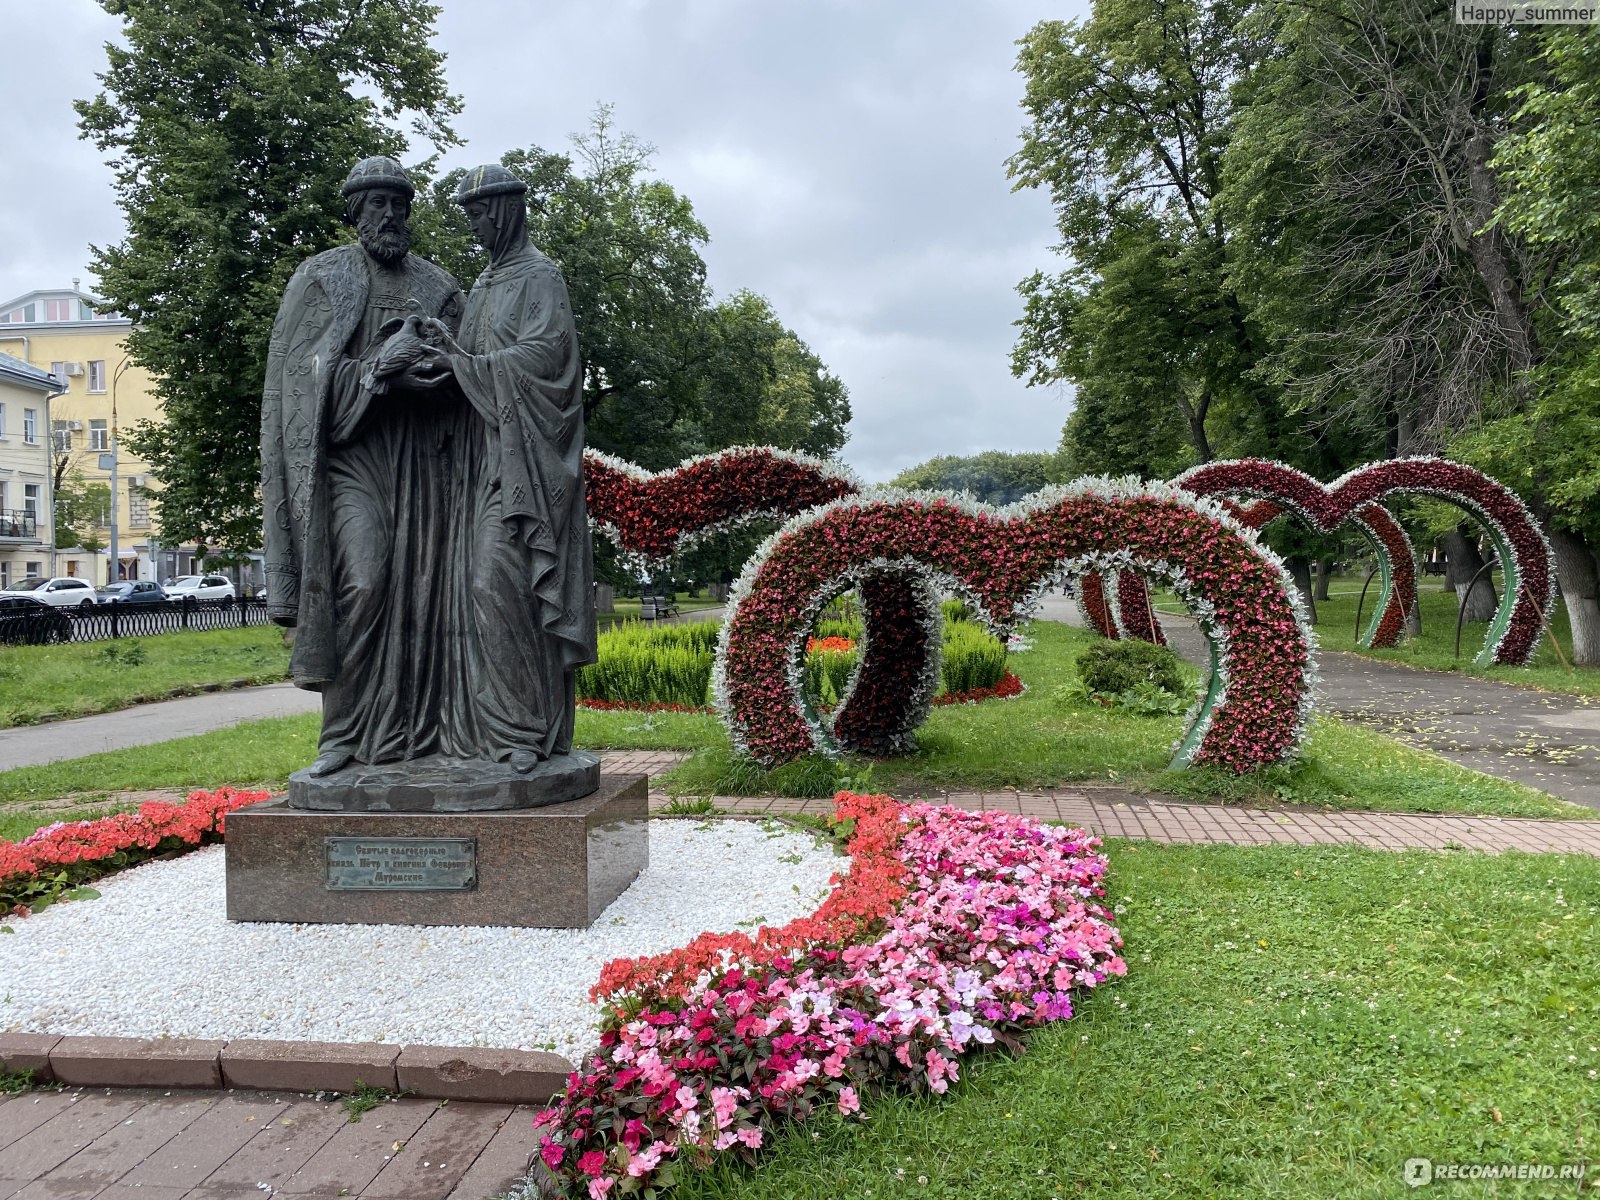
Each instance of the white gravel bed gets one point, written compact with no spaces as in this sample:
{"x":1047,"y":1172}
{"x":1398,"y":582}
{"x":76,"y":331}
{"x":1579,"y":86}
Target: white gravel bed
{"x":156,"y":957}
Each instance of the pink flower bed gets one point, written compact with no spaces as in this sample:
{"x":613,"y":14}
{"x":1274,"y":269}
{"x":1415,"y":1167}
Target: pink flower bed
{"x":954,"y":930}
{"x":49,"y":861}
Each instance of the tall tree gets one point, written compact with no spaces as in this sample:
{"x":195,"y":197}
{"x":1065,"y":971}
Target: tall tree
{"x":230,"y":127}
{"x":668,"y":372}
{"x":1131,"y":114}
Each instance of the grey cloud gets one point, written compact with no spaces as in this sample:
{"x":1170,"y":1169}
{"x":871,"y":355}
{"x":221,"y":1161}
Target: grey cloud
{"x":847,"y":158}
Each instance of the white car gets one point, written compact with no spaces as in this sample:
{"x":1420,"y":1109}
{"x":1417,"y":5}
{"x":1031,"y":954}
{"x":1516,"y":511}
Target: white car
{"x":65,"y":591}
{"x":200,"y":587}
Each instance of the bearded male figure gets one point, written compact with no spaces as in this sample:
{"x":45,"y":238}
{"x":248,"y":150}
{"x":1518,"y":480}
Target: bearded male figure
{"x":357,"y":482}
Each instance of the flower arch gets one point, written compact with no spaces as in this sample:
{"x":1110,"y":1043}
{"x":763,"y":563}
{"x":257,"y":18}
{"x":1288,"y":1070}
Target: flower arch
{"x":1256,"y":701}
{"x":1525,"y":555}
{"x":1397,"y":572}
{"x":650,"y":516}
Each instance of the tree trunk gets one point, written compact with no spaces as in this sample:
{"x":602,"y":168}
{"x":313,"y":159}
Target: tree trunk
{"x":1324,"y":576}
{"x":1579,"y":575}
{"x":1300,"y":570}
{"x":1463,"y":565}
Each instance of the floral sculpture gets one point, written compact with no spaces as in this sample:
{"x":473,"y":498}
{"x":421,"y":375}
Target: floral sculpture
{"x":1525,"y":556}
{"x":650,"y":517}
{"x":1397,"y":571}
{"x":952,"y":930}
{"x":900,"y":550}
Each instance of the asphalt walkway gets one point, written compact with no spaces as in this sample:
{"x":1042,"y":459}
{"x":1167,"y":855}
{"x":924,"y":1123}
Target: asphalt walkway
{"x":1543,"y":739}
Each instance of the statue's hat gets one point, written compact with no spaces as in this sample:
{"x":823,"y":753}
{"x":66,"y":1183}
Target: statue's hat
{"x":489,"y":180}
{"x":378,"y":171}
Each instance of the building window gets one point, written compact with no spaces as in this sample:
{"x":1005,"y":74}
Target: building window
{"x":34,"y":568}
{"x":97,"y":375}
{"x":98,"y":436}
{"x":5,"y":574}
{"x":30,"y":500}
{"x":61,"y":436}
{"x":58,"y":310}
{"x":72,"y":568}
{"x":2,"y":420}
{"x":138,"y":507}
{"x":59,"y":370}
{"x":30,"y":425}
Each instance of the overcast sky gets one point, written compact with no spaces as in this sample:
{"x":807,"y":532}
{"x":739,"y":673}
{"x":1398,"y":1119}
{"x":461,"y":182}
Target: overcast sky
{"x":847,"y":156}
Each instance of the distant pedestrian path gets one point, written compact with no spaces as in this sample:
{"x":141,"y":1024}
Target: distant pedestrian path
{"x":145,"y":724}
{"x":1542,"y":739}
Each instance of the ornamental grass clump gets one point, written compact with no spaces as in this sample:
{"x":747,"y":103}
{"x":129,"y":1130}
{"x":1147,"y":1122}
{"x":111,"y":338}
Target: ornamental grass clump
{"x":652,"y":664}
{"x":952,"y":930}
{"x":972,"y":658}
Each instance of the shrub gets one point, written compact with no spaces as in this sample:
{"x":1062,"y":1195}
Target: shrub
{"x":1111,"y":668}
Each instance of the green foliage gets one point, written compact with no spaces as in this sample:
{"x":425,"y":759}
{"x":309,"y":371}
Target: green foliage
{"x":669,"y":372}
{"x":661,"y":664}
{"x":82,"y":508}
{"x":81,"y":678}
{"x":364,"y":1098}
{"x":1111,"y":668}
{"x":1130,"y":114}
{"x":972,"y":657}
{"x":230,"y":128}
{"x":994,"y":477}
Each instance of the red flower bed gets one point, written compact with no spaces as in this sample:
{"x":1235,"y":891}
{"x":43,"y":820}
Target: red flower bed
{"x":902,"y":546}
{"x":657,"y":515}
{"x":1094,"y":606}
{"x":639,"y":706}
{"x":36,"y":870}
{"x":1008,"y":688}
{"x":1524,"y":553}
{"x":1135,"y":614}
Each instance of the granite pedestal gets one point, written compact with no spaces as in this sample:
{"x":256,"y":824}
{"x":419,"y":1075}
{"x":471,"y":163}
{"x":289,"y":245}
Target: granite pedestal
{"x":554,"y":867}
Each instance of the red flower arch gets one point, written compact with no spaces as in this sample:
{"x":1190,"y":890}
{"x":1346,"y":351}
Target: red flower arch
{"x":1252,"y":713}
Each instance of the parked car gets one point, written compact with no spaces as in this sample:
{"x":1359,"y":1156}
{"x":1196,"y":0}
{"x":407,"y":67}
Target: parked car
{"x":64,"y":591}
{"x":201,"y":587}
{"x":25,"y":621}
{"x":131,"y":591}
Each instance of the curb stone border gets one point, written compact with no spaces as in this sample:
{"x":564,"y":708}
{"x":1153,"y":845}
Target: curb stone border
{"x":426,"y":1072}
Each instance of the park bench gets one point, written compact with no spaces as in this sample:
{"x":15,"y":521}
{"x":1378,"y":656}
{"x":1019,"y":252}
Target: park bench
{"x":654,"y":607}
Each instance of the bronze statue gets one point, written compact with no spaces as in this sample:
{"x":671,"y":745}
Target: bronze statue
{"x":426,"y":531}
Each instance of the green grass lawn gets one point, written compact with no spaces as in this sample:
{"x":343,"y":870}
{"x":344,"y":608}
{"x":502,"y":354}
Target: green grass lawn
{"x":1295,"y":1022}
{"x":80,"y":678}
{"x":1038,"y":740}
{"x":1435,"y":648}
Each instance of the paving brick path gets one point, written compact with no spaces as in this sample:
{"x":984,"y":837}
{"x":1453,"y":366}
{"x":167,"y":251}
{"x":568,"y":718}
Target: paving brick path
{"x":1112,"y":813}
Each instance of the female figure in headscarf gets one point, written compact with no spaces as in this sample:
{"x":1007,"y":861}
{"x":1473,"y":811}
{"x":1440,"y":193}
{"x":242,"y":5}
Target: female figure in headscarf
{"x":521,"y":573}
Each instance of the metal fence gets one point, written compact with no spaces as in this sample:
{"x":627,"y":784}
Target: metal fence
{"x":106,"y":621}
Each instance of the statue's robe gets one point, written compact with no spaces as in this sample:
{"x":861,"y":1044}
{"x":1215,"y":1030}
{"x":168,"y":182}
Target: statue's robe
{"x":358,"y":487}
{"x":522,"y":549}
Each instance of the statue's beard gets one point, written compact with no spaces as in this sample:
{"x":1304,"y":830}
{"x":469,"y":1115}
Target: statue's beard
{"x":388,"y":246}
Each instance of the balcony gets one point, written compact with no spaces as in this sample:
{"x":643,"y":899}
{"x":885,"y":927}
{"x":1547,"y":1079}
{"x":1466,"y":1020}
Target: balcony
{"x":18,"y":525}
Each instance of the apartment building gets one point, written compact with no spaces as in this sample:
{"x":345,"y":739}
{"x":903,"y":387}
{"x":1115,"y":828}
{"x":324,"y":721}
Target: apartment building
{"x":68,"y":334}
{"x":25,"y":510}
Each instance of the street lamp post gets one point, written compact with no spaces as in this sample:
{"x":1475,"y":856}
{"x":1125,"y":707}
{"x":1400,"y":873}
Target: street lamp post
{"x":116,"y":554}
